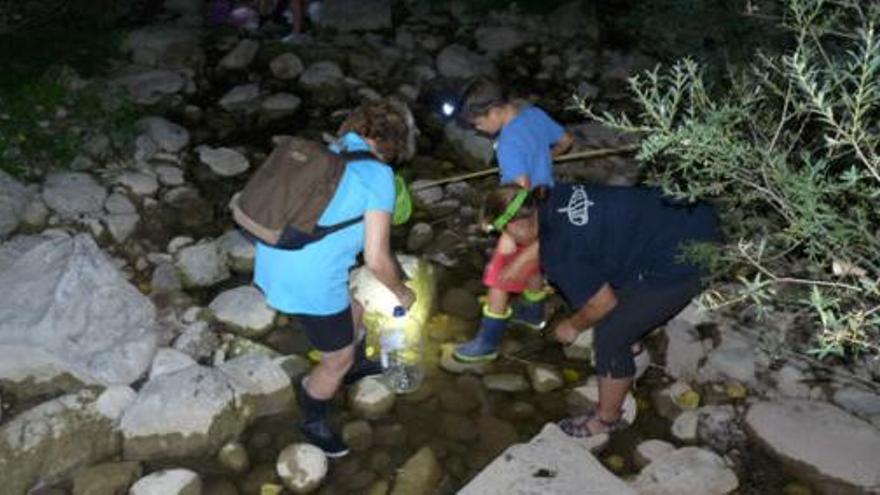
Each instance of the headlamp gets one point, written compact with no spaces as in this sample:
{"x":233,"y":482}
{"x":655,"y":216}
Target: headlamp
{"x":512,"y":209}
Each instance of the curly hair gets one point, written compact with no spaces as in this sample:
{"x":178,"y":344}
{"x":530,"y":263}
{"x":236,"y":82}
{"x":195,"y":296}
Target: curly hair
{"x":384,"y":122}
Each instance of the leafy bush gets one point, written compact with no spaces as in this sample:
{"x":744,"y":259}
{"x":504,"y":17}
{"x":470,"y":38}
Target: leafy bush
{"x":789,"y":151}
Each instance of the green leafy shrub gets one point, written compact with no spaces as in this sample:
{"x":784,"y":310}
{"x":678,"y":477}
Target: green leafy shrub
{"x":789,"y":151}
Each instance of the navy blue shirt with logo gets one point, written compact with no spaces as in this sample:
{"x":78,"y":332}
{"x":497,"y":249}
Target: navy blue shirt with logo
{"x":591,"y":235}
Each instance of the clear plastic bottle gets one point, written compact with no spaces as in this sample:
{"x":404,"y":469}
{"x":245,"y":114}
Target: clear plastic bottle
{"x":401,"y":355}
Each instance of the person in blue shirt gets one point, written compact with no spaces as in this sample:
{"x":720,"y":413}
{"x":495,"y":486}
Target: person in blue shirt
{"x":312,"y":282}
{"x":615,"y":255}
{"x":527,"y":140}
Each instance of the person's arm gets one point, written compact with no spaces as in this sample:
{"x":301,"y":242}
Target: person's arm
{"x":378,"y":257}
{"x":597,"y":307}
{"x":527,"y":256}
{"x":562,"y":145}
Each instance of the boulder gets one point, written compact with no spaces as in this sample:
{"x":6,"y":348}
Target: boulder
{"x":684,"y":350}
{"x":140,"y":183}
{"x":225,"y":162}
{"x":107,"y":479}
{"x":244,"y":310}
{"x":198,"y":341}
{"x":65,"y":299}
{"x":168,"y":482}
{"x":52,"y":440}
{"x":651,"y":450}
{"x":545,"y":379}
{"x":370,"y":398}
{"x":241,"y":56}
{"x":286,"y":66}
{"x":420,"y":236}
{"x":732,"y":360}
{"x":552,"y":462}
{"x":241,"y":98}
{"x":280,"y":105}
{"x":191,"y":412}
{"x":419,"y":475}
{"x":683,"y":470}
{"x":234,"y":457}
{"x":150,"y":86}
{"x":168,"y":361}
{"x":14,"y":201}
{"x":261,"y":384}
{"x":324,"y":81}
{"x":506,"y":382}
{"x":238,"y":250}
{"x":201,"y":265}
{"x":820,"y":443}
{"x":73,"y":193}
{"x":167,"y":135}
{"x":302,"y":467}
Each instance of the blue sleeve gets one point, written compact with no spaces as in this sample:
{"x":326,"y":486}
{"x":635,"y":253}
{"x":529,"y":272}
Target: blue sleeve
{"x":552,"y":130}
{"x":580,"y":282}
{"x":512,"y":161}
{"x":380,"y":189}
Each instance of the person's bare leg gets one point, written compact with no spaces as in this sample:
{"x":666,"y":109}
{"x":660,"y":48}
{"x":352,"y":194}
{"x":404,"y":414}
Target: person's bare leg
{"x":325,"y":378}
{"x":498,"y":301}
{"x":612,"y":393}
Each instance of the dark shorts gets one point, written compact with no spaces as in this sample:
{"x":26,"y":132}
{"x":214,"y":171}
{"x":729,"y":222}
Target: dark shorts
{"x":329,"y":333}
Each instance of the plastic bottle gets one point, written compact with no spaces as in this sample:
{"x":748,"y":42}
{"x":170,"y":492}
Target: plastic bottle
{"x":401,"y":355}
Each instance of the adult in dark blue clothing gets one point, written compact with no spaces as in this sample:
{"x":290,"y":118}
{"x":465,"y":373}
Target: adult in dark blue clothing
{"x":615,"y":254}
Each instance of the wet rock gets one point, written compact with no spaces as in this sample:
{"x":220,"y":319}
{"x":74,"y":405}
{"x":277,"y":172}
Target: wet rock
{"x":790,"y":382}
{"x":14,"y":200}
{"x":164,"y":46}
{"x":459,"y":427}
{"x":167,"y":135}
{"x":57,"y":437}
{"x":234,"y":457}
{"x":497,"y":40}
{"x":651,"y":450}
{"x":733,"y":359}
{"x":552,"y":462}
{"x":168,"y":361}
{"x":461,"y":303}
{"x":225,"y":162}
{"x":150,"y":86}
{"x":280,"y":105}
{"x":190,"y":209}
{"x":73,"y":193}
{"x":107,"y":479}
{"x":294,"y":365}
{"x":165,"y":278}
{"x":35,"y":214}
{"x":420,"y":235}
{"x":819,"y":442}
{"x":684,"y":469}
{"x":475,"y":150}
{"x":244,"y":310}
{"x":140,"y":183}
{"x":302,"y":467}
{"x":65,"y":298}
{"x":168,"y":482}
{"x":370,"y":398}
{"x":684,"y":350}
{"x":452,"y":365}
{"x":121,"y":225}
{"x":425,"y":196}
{"x":241,"y":56}
{"x":356,"y":15}
{"x":718,"y":427}
{"x":419,"y":475}
{"x":190,"y":412}
{"x":506,"y":382}
{"x":241,"y":98}
{"x":286,"y":66}
{"x":261,"y":385}
{"x":684,"y":428}
{"x":119,"y":203}
{"x":239,"y":251}
{"x":457,"y":62}
{"x":358,"y":435}
{"x":325,"y":82}
{"x":545,"y":379}
{"x":859,"y":402}
{"x":198,"y":341}
{"x":170,"y":175}
{"x":201,"y":265}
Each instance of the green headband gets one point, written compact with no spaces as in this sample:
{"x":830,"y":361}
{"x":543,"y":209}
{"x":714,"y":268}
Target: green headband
{"x":512,"y":209}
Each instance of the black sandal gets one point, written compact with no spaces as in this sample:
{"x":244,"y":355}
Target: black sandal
{"x":578,"y":426}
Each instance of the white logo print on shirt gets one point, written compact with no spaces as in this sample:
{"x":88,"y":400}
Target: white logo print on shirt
{"x":578,"y":208}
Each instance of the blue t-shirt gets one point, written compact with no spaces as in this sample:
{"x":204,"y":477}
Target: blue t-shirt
{"x":524,"y":147}
{"x":592,"y":235}
{"x":314,"y":280}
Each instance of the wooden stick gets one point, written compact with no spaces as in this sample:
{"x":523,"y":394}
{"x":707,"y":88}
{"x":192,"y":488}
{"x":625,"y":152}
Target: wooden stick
{"x":580,"y":155}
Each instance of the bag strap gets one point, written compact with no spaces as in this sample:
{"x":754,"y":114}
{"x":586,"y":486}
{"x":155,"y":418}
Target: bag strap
{"x":347,"y":156}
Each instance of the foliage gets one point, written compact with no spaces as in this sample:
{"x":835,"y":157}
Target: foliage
{"x":790,"y":154}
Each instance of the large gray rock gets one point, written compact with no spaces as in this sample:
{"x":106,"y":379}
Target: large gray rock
{"x":225,"y":162}
{"x":165,"y":46}
{"x":167,"y":135}
{"x":552,"y":462}
{"x":475,"y":150}
{"x":325,"y":82}
{"x":684,"y":350}
{"x":356,"y":15}
{"x":73,"y":193}
{"x":280,"y":105}
{"x":241,"y":56}
{"x":201,"y":265}
{"x":64,"y":297}
{"x":261,"y":384}
{"x":239,"y":251}
{"x":457,"y":62}
{"x":820,"y":443}
{"x":29,"y":372}
{"x":241,"y":98}
{"x":190,"y":412}
{"x":302,"y":467}
{"x":50,"y":441}
{"x":107,"y":479}
{"x":244,"y":309}
{"x":371,"y":398}
{"x":733,"y":359}
{"x":286,"y":66}
{"x":14,"y":200}
{"x":149,"y":86}
{"x":685,"y":470}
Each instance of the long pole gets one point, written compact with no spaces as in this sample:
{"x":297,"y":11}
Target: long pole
{"x":580,"y":155}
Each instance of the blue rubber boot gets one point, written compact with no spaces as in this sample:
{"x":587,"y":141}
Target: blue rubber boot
{"x":484,"y":347}
{"x":529,"y":314}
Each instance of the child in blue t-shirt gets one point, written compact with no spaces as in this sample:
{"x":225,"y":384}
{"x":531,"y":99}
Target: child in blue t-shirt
{"x":527,"y":141}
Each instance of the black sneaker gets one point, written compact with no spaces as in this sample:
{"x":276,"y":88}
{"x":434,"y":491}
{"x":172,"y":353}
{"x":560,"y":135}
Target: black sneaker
{"x":319,"y":434}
